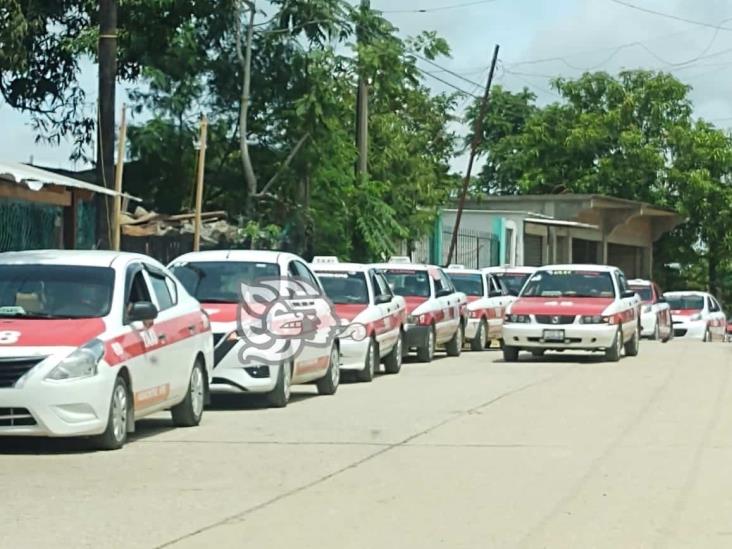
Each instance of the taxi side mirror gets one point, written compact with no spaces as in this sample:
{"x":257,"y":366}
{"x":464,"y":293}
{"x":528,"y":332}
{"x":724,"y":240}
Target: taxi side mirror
{"x":495,"y":293}
{"x":628,"y":294}
{"x":444,"y":292}
{"x":383,"y":298}
{"x":142,"y":311}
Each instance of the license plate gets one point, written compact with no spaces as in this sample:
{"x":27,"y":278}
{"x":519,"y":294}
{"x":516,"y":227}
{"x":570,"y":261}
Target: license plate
{"x":553,"y":335}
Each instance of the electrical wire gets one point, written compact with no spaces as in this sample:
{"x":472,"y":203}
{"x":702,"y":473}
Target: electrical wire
{"x":431,"y":75}
{"x":448,"y":71}
{"x":671,"y":16}
{"x":442,"y":8}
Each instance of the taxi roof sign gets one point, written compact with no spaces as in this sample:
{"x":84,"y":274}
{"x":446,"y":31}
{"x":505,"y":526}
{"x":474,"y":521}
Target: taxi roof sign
{"x":325,"y":259}
{"x":455,"y":266}
{"x":400,"y":259}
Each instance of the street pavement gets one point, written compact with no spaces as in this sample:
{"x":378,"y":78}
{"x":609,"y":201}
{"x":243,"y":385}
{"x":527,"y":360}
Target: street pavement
{"x":468,"y":452}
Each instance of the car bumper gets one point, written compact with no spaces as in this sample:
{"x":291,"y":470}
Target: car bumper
{"x":690,"y":330}
{"x":576,"y":336}
{"x":648,"y":324}
{"x":56,"y":409}
{"x":231,"y":376}
{"x":353,"y":354}
{"x":416,"y":336}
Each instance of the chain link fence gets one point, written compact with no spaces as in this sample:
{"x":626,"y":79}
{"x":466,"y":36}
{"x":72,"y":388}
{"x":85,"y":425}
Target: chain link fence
{"x":29,"y":226}
{"x":474,"y":249}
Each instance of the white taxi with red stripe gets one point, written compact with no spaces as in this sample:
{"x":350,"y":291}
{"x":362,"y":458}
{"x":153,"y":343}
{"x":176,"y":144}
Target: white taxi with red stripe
{"x":288,"y":335}
{"x":697,"y":315}
{"x":574,"y":307}
{"x":91,"y":341}
{"x":485,"y":304}
{"x":361,"y":295}
{"x":512,"y":278}
{"x":656,"y":321}
{"x":436,"y":310}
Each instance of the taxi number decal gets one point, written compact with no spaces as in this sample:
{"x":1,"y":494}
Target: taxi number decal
{"x":8,"y":337}
{"x":149,"y":338}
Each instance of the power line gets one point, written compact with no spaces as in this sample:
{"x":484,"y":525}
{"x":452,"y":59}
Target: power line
{"x":448,"y":71}
{"x":671,"y":16}
{"x":431,"y":75}
{"x":442,"y":8}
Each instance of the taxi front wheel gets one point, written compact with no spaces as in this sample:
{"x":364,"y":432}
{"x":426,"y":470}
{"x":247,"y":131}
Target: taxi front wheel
{"x":190,"y":410}
{"x":115,"y":435}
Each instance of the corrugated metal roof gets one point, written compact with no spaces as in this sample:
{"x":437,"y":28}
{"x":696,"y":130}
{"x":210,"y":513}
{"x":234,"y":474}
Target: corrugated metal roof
{"x":35,"y":178}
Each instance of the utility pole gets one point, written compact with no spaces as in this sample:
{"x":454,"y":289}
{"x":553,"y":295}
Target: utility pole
{"x":116,"y":233}
{"x":362,"y":106}
{"x":477,"y":137}
{"x":107,"y":53}
{"x":199,"y":184}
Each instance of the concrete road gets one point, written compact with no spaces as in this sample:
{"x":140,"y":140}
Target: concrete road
{"x":463,"y":453}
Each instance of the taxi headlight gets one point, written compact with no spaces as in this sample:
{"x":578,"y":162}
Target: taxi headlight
{"x":81,"y":363}
{"x":518,"y":319}
{"x":594,"y":319}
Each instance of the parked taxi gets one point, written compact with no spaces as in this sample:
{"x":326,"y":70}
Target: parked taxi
{"x":361,"y":295}
{"x":485,"y":304}
{"x":512,"y":278}
{"x":91,"y":341}
{"x":697,"y":315}
{"x":574,"y":307}
{"x":435,"y":308}
{"x":272,"y":325}
{"x":656,"y":320}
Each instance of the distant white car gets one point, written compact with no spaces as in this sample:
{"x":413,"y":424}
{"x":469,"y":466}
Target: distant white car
{"x":216,"y":279}
{"x":485,"y":305}
{"x":511,"y":278}
{"x":91,"y":341}
{"x":435,"y":309}
{"x":697,"y":315}
{"x":362,"y":295}
{"x":656,"y":321}
{"x":574,"y":307}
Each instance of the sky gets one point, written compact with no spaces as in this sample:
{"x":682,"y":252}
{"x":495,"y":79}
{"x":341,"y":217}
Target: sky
{"x":539,"y":39}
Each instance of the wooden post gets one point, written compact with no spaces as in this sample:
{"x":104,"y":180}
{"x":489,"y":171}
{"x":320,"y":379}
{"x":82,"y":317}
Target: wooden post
{"x":199,"y":184}
{"x":117,"y":217}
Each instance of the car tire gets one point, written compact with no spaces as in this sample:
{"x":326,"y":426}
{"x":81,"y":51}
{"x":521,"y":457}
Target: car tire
{"x":328,"y":384}
{"x":426,"y":352}
{"x":707,"y":336}
{"x":114,"y":436}
{"x":510,"y":354}
{"x":279,"y":397}
{"x":189,"y":411}
{"x":633,"y":346}
{"x":393,"y":361}
{"x":480,"y":341}
{"x":455,"y":346}
{"x":370,"y":364}
{"x":612,"y":353}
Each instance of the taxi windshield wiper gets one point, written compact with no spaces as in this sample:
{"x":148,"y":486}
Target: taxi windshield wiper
{"x":216,"y":300}
{"x":31,"y":316}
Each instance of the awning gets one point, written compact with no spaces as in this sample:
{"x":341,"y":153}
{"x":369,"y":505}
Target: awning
{"x":35,"y":179}
{"x":560,"y":223}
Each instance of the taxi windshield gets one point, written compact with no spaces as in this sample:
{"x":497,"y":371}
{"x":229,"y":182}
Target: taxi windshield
{"x":685,"y":302}
{"x":580,"y":284}
{"x":220,"y":281}
{"x":55,"y":291}
{"x":344,"y":288}
{"x":644,"y":292}
{"x":408,"y":283}
{"x":513,"y":282}
{"x":469,"y":284}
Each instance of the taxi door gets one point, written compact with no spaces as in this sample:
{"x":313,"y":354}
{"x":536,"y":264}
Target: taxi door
{"x":497,"y":303}
{"x":629,"y":307}
{"x":449,"y":304}
{"x":717,"y":319}
{"x":175,"y":328}
{"x":138,"y":347}
{"x":388,"y":324}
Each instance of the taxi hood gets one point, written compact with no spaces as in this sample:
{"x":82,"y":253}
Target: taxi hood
{"x":62,"y":332}
{"x":221,"y":312}
{"x":561,"y":305}
{"x":349,"y":311}
{"x":686,"y":312}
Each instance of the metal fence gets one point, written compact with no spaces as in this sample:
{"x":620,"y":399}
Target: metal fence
{"x":474,"y":249}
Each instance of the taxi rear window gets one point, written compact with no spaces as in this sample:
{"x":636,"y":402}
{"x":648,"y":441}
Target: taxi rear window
{"x":55,"y":291}
{"x":408,"y":282}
